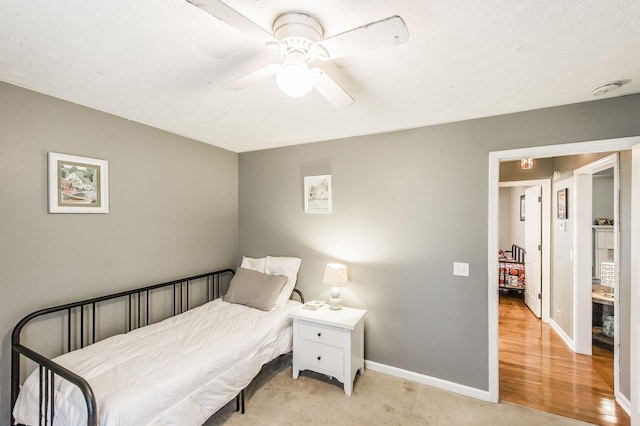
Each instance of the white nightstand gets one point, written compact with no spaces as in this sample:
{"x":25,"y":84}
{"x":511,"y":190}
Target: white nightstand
{"x":329,"y":342}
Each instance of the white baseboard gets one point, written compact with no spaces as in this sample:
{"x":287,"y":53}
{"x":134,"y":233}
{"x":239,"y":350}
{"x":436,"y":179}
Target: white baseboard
{"x":624,"y":402}
{"x":565,"y":338}
{"x":428,"y":380}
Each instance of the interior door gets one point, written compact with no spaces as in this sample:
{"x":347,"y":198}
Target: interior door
{"x":532,"y":246}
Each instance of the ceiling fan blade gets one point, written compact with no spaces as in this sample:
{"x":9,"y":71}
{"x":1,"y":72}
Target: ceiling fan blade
{"x":251,"y":78}
{"x":232,"y":17}
{"x":328,"y":88}
{"x":385,"y":33}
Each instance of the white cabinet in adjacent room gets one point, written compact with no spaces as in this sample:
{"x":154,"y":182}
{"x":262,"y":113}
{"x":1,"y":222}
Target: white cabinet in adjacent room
{"x":603,"y":247}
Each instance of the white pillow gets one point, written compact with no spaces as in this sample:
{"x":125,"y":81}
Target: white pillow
{"x":287,"y":266}
{"x":253,"y":263}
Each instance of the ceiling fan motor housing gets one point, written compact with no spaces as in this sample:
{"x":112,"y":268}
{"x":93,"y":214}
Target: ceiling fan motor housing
{"x":297,"y":31}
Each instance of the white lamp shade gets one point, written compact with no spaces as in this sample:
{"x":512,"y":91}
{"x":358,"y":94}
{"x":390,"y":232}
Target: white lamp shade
{"x":335,"y":275}
{"x":294,"y":77}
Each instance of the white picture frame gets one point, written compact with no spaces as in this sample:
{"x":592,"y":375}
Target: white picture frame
{"x":78,"y":184}
{"x":318,"y":194}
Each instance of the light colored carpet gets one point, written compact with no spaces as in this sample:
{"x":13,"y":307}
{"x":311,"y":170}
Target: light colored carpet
{"x":275,"y":398}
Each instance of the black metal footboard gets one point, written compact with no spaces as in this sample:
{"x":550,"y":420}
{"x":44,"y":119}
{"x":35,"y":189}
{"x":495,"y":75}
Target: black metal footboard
{"x":81,"y":320}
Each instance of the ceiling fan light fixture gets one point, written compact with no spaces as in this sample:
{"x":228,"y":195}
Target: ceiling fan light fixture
{"x":295,"y":78}
{"x":299,"y":39}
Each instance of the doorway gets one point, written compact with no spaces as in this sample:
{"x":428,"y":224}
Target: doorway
{"x":522,"y":352}
{"x":545,"y":238}
{"x":587,"y":274}
{"x":546,"y":151}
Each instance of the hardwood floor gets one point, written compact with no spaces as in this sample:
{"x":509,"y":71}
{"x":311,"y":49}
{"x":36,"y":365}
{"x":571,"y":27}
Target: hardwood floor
{"x":538,"y":370}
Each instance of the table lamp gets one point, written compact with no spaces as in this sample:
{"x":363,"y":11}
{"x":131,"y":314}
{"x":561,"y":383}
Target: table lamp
{"x":335,"y":275}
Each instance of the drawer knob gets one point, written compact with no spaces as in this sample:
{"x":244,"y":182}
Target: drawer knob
{"x":319,"y":357}
{"x":319,"y":334}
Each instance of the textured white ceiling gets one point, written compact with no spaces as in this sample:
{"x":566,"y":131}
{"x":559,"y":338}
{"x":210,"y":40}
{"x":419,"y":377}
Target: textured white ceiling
{"x":162,"y":62}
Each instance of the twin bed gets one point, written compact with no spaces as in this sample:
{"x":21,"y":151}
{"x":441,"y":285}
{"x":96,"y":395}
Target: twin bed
{"x":176,"y":371}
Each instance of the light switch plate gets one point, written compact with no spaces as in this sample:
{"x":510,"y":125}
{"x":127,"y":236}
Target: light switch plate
{"x":461,"y":269}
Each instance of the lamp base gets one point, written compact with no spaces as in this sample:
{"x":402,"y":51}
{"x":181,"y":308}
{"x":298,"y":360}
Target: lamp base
{"x":335,"y":302}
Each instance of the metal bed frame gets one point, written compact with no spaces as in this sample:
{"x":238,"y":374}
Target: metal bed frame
{"x":518,"y":256}
{"x":517,"y":253}
{"x":80,"y":318}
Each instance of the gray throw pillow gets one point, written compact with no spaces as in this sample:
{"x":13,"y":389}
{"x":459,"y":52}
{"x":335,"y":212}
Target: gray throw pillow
{"x":254,"y":289}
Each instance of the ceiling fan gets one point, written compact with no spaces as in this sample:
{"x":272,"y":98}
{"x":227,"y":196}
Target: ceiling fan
{"x":298,"y":39}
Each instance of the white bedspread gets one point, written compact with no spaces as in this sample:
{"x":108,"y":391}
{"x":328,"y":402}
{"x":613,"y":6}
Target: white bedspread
{"x":176,"y":372}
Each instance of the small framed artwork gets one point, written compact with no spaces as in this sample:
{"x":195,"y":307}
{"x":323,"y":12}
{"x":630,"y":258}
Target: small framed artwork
{"x":605,"y":222}
{"x":562,"y":204}
{"x":78,"y":184}
{"x":317,"y":194}
{"x":522,"y":204}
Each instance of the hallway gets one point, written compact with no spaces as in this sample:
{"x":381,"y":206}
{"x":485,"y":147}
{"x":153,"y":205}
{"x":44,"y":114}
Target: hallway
{"x":538,"y":370}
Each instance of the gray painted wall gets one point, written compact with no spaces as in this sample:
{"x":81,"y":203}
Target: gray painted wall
{"x":602,"y":197}
{"x":406,"y":206}
{"x":173,"y":210}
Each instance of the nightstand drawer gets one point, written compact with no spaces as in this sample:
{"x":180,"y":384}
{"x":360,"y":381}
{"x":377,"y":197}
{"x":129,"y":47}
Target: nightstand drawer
{"x":321,"y":334}
{"x":322,"y":358}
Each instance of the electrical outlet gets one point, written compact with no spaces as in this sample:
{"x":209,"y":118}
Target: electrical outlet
{"x":461,"y":269}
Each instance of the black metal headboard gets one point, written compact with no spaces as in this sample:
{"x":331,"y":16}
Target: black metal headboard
{"x":299,"y":293}
{"x":518,"y":253}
